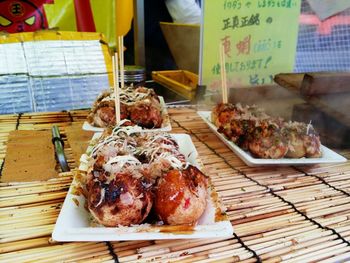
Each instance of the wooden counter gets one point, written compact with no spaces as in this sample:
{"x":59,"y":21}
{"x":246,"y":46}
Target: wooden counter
{"x":284,"y":214}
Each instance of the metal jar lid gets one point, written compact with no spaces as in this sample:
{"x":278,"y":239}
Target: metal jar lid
{"x":134,"y":74}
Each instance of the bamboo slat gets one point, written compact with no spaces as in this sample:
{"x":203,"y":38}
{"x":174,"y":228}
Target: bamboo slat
{"x":280,"y":213}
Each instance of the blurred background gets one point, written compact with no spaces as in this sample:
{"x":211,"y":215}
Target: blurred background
{"x":55,"y":55}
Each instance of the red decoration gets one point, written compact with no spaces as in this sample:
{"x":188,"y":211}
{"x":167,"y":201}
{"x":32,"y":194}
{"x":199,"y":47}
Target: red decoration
{"x":84,"y":16}
{"x":23,"y":15}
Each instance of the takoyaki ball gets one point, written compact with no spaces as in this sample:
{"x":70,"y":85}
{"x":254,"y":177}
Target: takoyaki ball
{"x":181,"y":196}
{"x":148,"y":91}
{"x":267,"y":142}
{"x":104,"y":114}
{"x":146,"y":113}
{"x":125,"y":200}
{"x":223,"y":113}
{"x":303,"y":141}
{"x":240,"y":129}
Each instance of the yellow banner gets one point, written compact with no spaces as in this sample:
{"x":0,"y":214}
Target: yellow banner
{"x":111,"y":17}
{"x":259,"y":39}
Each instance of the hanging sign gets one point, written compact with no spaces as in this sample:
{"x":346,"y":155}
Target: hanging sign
{"x":259,"y":39}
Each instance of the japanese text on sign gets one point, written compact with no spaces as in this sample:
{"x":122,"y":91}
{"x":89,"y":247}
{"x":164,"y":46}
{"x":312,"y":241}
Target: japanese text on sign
{"x":259,"y":40}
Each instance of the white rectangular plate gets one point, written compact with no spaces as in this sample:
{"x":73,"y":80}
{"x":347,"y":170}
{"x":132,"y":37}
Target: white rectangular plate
{"x":166,"y":125}
{"x":328,"y":156}
{"x":73,"y":223}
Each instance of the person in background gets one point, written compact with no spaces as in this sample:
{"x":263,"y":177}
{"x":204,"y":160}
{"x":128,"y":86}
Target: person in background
{"x":184,"y":11}
{"x":157,"y":53}
{"x":158,"y":56}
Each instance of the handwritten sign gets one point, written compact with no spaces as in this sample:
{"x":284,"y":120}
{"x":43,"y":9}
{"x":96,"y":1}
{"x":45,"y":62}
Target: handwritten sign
{"x":259,"y":39}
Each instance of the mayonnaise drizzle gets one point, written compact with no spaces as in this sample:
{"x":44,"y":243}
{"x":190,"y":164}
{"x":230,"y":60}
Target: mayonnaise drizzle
{"x":129,"y":95}
{"x":155,"y":147}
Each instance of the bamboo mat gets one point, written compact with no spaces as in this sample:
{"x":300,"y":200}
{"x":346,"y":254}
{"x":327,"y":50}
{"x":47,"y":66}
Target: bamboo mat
{"x":289,"y":214}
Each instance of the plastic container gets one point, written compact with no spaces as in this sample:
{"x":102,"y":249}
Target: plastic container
{"x":182,"y":82}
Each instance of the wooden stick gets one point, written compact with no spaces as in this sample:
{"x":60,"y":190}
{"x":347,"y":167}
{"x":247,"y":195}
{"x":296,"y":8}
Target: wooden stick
{"x":74,"y":256}
{"x":131,"y":245}
{"x":69,"y":250}
{"x":269,"y":246}
{"x":30,"y":207}
{"x":121,"y":60}
{"x":223,"y":74}
{"x":116,"y":88}
{"x":277,"y":248}
{"x":296,"y":230}
{"x":31,"y":199}
{"x":174,"y":243}
{"x":339,"y":258}
{"x":313,"y":254}
{"x":26,"y":223}
{"x":34,"y":232}
{"x":8,"y":219}
{"x":24,"y":244}
{"x":98,"y":256}
{"x":35,"y":190}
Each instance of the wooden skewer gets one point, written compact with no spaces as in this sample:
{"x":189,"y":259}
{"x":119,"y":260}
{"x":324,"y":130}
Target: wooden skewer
{"x":69,"y":250}
{"x":74,"y":256}
{"x":273,"y":249}
{"x":116,"y":88}
{"x":207,"y":246}
{"x":123,"y":245}
{"x":223,"y":74}
{"x":127,"y":256}
{"x":35,"y":190}
{"x":32,"y":233}
{"x":240,"y":254}
{"x":121,"y":60}
{"x":10,"y":222}
{"x":258,"y":239}
{"x":32,"y":198}
{"x":31,"y":207}
{"x":222,"y":249}
{"x":24,"y":244}
{"x":316,"y":234}
{"x":315,"y":252}
{"x":19,"y":185}
{"x":185,"y":259}
{"x":9,"y":230}
{"x":133,"y":246}
{"x":98,"y":256}
{"x":249,"y":260}
{"x":173,"y":243}
{"x":339,"y":258}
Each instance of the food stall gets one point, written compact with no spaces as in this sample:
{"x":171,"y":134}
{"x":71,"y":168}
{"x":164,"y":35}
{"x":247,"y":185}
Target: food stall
{"x":140,"y":177}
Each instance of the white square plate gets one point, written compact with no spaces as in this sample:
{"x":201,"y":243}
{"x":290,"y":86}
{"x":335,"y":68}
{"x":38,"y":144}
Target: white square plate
{"x":73,"y":223}
{"x":166,"y":125}
{"x":328,"y":156}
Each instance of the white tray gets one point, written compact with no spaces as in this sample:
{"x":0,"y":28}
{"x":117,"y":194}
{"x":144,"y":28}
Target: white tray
{"x":166,"y":125}
{"x":328,"y":156}
{"x":73,"y":223}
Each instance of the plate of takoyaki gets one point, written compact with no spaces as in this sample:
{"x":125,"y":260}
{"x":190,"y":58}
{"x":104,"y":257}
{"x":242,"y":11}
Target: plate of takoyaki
{"x":259,"y":139}
{"x":140,"y":107}
{"x":139,"y":186}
